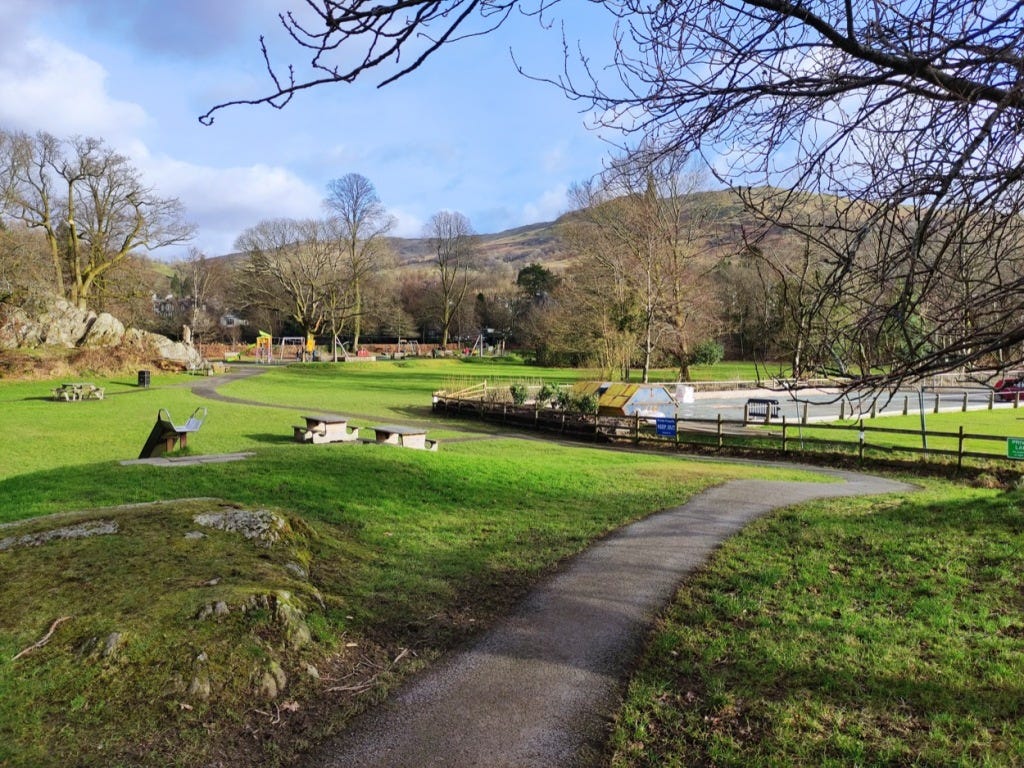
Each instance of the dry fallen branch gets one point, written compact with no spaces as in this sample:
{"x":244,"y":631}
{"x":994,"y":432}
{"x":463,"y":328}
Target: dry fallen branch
{"x":368,"y":683}
{"x":45,"y":639}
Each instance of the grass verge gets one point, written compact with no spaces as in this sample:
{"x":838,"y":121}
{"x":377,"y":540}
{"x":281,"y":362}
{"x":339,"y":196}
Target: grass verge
{"x":866,"y":632}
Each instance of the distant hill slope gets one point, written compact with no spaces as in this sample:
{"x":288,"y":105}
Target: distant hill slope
{"x":540,"y":243}
{"x":518,"y":247}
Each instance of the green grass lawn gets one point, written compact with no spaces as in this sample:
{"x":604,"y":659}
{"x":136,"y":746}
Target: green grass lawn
{"x":857,"y":631}
{"x":942,"y":432}
{"x":868,"y":632}
{"x":384,"y":551}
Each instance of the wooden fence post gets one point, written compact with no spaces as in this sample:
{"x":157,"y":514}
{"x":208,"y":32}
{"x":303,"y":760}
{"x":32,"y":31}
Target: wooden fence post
{"x":783,"y":433}
{"x":842,"y":410}
{"x":964,"y":409}
{"x":906,"y":404}
{"x":991,"y":400}
{"x":860,"y":441}
{"x":805,"y":412}
{"x":960,"y":450}
{"x":636,"y":428}
{"x":720,"y":430}
{"x":936,"y":402}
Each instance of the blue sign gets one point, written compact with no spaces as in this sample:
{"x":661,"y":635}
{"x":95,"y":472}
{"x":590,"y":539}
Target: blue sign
{"x":665,"y":427}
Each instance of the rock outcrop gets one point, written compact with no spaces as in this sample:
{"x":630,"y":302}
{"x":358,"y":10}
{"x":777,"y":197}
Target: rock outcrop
{"x":65,"y":325}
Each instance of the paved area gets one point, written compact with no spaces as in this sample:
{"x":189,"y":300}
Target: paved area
{"x":189,"y":461}
{"x":539,"y":688}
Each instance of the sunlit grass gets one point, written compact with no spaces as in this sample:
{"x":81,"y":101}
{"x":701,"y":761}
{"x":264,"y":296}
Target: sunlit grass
{"x":853,"y":632}
{"x":404,"y":549}
{"x":865,"y":632}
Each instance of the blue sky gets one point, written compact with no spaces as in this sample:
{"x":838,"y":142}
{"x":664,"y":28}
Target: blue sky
{"x":466,"y":133}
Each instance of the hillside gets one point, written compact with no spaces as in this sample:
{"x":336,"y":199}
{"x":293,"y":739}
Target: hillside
{"x":518,"y":247}
{"x":722,"y":212}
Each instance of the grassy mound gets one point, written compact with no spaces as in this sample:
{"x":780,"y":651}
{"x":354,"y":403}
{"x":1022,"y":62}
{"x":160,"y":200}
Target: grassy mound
{"x":136,"y":624}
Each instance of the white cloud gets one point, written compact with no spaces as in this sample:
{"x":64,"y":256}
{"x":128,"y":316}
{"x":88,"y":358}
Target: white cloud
{"x":549,"y":206}
{"x":47,"y":86}
{"x":406,"y":224}
{"x":223,"y":202}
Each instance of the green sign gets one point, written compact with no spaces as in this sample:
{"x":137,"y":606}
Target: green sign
{"x":1015,"y":447}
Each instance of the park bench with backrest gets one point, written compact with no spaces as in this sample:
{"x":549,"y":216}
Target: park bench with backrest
{"x":761,"y":409}
{"x":166,"y":434}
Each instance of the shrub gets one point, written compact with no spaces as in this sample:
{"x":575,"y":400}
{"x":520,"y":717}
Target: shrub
{"x":572,"y":403}
{"x":563,"y":399}
{"x":546,"y":394}
{"x":708,"y":353}
{"x":518,"y":392}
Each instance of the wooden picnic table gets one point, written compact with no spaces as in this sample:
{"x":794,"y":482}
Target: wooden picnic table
{"x":77,"y":390}
{"x":326,"y":428}
{"x":408,"y":437}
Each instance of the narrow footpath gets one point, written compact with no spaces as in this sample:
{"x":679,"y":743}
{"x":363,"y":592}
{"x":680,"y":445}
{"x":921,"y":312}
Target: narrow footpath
{"x":540,"y":687}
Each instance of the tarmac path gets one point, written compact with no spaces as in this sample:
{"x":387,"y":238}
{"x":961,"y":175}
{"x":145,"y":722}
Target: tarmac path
{"x":539,"y":688}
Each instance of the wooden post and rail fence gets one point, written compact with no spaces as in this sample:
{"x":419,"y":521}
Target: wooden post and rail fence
{"x":758,"y":431}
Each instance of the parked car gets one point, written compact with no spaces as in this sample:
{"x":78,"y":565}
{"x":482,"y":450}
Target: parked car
{"x":1008,"y":390}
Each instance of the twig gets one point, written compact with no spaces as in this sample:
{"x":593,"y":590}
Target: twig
{"x":44,"y":641}
{"x":368,"y":683}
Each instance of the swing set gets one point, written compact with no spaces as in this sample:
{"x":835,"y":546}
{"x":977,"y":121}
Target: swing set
{"x":288,"y":348}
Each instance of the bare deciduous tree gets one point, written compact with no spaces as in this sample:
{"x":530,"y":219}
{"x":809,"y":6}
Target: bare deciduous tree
{"x":361,"y":223}
{"x":201,"y":283}
{"x":90,"y":203}
{"x":639,"y":224}
{"x":296,"y":267}
{"x":453,"y":245}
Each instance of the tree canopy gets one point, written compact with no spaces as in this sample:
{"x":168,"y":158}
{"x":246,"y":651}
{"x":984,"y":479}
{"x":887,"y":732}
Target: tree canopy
{"x":89,"y":202}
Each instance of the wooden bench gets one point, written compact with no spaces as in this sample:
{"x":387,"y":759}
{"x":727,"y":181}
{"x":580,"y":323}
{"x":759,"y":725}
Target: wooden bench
{"x":166,"y":434}
{"x":407,"y":437}
{"x":326,"y":429}
{"x":760,"y":409}
{"x":77,"y":390}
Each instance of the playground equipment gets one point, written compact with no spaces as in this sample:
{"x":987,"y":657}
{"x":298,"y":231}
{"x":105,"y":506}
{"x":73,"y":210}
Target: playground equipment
{"x":264,"y":348}
{"x":409,"y":347}
{"x":166,"y":433}
{"x":288,"y":348}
